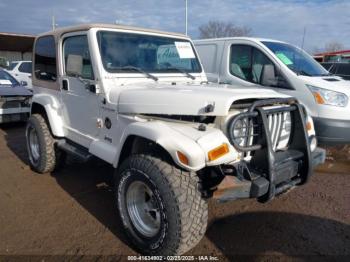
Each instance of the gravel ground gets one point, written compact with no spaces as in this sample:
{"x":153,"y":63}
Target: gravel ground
{"x":72,"y":213}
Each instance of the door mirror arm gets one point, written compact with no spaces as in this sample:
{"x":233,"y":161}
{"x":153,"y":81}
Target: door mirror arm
{"x":89,"y":85}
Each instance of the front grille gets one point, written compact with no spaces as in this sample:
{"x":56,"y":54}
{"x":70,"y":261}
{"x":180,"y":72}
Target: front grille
{"x":279,"y":127}
{"x":10,"y":104}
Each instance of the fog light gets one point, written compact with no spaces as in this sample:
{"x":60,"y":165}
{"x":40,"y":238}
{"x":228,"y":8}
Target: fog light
{"x":313,"y":143}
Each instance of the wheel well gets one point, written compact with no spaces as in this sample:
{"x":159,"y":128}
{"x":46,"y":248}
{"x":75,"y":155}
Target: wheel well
{"x":39,"y":109}
{"x":140,"y":145}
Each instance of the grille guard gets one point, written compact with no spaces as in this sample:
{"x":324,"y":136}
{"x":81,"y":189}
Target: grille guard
{"x":264,"y":157}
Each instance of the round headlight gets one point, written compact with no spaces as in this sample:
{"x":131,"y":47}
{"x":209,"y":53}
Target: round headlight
{"x":313,"y":143}
{"x":240,"y":131}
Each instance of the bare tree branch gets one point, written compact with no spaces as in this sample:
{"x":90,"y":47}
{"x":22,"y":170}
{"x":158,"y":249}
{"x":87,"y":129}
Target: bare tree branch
{"x":217,"y":29}
{"x":333,"y":46}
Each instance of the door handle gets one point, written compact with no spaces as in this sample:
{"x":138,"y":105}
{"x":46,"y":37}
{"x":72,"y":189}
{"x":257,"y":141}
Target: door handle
{"x":65,"y":84}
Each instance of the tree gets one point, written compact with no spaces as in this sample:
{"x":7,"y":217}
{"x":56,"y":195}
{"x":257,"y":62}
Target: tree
{"x":333,"y":46}
{"x":217,"y":29}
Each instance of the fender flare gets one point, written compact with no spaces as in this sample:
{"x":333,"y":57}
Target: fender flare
{"x":169,"y":139}
{"x":51,"y":106}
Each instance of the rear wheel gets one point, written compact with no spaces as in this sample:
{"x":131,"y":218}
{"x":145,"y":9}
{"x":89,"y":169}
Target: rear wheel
{"x":44,"y":157}
{"x":160,"y":206}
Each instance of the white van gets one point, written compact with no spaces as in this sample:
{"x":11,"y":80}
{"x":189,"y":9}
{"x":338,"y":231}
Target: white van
{"x":287,"y":69}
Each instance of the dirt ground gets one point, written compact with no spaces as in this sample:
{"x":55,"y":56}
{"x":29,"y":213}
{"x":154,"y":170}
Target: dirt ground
{"x":72,"y":213}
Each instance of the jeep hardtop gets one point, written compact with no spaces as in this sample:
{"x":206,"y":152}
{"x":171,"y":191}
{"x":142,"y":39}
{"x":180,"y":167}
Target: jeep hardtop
{"x":139,"y":100}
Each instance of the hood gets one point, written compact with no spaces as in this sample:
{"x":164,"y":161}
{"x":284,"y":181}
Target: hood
{"x":334,"y":83}
{"x":185,"y":99}
{"x":14,"y":91}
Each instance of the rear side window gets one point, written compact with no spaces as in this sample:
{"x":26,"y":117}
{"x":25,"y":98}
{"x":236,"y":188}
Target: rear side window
{"x":25,"y":67}
{"x":45,"y":59}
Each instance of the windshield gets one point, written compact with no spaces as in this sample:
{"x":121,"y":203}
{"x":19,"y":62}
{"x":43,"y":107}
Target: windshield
{"x":296,"y":59}
{"x":12,"y":66}
{"x":123,"y":52}
{"x":7,"y":79}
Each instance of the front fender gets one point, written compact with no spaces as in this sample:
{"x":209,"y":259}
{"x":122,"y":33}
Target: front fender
{"x":169,"y":139}
{"x":51,"y":106}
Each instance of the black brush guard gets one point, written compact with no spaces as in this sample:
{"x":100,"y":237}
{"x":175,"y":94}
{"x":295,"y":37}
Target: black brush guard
{"x":271,"y":171}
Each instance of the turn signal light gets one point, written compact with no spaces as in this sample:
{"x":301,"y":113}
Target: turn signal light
{"x":319,"y":99}
{"x":218,"y":152}
{"x":308,"y":126}
{"x":183,"y":158}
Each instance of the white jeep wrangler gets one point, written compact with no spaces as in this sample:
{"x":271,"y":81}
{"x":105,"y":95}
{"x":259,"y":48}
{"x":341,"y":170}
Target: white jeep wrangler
{"x":139,"y":100}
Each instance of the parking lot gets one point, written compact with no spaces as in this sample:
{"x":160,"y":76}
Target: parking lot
{"x":71,"y":212}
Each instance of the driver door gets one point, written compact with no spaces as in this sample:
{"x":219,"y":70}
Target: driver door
{"x":79,"y":100}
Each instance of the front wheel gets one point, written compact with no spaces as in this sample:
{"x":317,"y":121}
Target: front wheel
{"x":160,"y":206}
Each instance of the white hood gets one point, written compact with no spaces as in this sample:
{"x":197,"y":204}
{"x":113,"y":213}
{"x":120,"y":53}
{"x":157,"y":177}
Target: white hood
{"x":185,"y":99}
{"x":334,"y":83}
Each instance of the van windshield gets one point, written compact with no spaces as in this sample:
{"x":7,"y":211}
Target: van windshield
{"x":123,"y":52}
{"x":296,"y":59}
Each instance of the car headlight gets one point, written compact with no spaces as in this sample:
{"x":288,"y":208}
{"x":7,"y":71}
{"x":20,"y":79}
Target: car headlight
{"x":328,"y":97}
{"x":240,"y":131}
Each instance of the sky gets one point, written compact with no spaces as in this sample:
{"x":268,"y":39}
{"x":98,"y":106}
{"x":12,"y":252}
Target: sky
{"x":324,"y":20}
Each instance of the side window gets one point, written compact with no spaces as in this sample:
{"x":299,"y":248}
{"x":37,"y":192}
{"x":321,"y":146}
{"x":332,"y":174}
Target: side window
{"x":25,"y":67}
{"x":247,"y":63}
{"x":45,"y":59}
{"x":241,"y":62}
{"x":78,"y":46}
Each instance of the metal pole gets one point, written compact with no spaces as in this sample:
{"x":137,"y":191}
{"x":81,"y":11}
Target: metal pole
{"x":302,"y":43}
{"x":186,"y":15}
{"x":53,"y":23}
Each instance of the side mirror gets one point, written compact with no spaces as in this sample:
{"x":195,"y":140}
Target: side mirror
{"x":269,"y":76}
{"x":74,"y":65}
{"x":23,"y":83}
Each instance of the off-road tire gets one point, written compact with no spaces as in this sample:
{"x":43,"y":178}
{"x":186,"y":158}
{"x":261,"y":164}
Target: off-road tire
{"x":51,"y":158}
{"x":183,"y":211}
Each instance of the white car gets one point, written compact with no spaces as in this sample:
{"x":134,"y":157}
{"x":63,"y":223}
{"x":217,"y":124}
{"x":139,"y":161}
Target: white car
{"x":284,"y":68}
{"x":22,"y":71}
{"x":14,"y":99}
{"x":139,"y":100}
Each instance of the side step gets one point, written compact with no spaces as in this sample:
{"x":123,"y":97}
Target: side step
{"x":74,"y":149}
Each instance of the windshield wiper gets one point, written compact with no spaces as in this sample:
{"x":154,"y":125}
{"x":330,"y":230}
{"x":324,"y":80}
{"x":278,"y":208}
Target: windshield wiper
{"x":301,"y":72}
{"x":182,"y":71}
{"x":134,"y":68}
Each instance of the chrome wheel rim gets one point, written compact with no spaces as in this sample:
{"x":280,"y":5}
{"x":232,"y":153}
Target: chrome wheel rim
{"x":143,"y":209}
{"x":34,"y":144}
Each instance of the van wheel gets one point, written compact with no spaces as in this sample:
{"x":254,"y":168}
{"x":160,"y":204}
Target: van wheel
{"x":160,"y":206}
{"x":44,"y":157}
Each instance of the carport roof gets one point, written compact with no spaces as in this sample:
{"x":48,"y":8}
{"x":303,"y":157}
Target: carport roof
{"x":16,"y":42}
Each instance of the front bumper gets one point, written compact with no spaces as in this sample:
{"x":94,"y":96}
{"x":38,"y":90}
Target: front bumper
{"x":233,"y":187}
{"x":270,"y":172}
{"x":14,"y":114}
{"x":332,"y":131}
